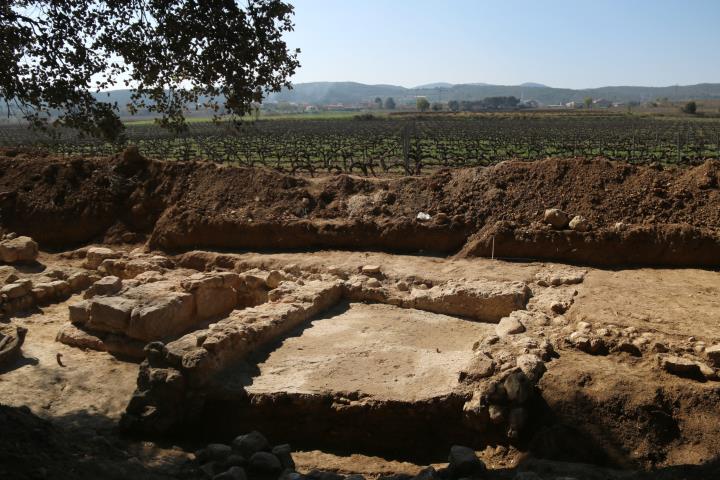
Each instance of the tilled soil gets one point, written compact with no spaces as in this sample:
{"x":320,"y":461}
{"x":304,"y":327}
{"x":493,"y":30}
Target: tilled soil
{"x":181,"y":206}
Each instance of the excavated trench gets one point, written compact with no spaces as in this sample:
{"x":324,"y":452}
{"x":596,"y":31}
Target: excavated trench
{"x":325,"y":365}
{"x":490,"y":212}
{"x":365,"y":356}
{"x":361,"y":377}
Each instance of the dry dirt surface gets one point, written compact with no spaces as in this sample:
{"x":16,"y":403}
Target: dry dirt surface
{"x":181,"y":206}
{"x":610,"y":405}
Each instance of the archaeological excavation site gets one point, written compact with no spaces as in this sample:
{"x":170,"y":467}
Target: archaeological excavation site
{"x":556,"y":319}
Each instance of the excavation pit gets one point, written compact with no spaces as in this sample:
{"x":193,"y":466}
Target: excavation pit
{"x":360,"y":377}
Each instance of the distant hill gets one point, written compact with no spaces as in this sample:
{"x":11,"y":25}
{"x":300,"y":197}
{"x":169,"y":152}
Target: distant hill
{"x":353,"y":93}
{"x":435,"y":85}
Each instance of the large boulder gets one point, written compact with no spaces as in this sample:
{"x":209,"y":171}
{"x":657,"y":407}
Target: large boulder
{"x":18,"y":250}
{"x":556,"y":218}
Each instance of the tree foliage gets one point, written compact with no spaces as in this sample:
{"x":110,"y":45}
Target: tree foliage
{"x":454,"y":105}
{"x":422,"y":104}
{"x":690,"y":107}
{"x":390,"y":103}
{"x":57,"y":56}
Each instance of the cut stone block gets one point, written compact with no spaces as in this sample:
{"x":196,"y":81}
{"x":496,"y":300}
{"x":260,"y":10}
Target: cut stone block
{"x":487,"y":301}
{"x":18,"y":250}
{"x":165,"y":317}
{"x":110,"y":314}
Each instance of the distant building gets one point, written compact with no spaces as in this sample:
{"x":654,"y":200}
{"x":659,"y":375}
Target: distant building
{"x":602,"y":103}
{"x":574,"y":104}
{"x":529,"y":104}
{"x":311,"y":109}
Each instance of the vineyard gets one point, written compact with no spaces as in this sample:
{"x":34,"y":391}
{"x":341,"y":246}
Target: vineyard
{"x":406,"y":145}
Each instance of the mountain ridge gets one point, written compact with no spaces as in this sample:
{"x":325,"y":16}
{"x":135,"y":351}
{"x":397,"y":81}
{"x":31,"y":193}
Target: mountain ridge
{"x":356,"y":93}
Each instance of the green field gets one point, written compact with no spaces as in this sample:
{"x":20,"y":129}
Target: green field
{"x":407,"y":143}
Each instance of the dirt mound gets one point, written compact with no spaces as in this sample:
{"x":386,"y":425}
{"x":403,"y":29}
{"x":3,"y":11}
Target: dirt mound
{"x":181,"y":206}
{"x":668,"y":244}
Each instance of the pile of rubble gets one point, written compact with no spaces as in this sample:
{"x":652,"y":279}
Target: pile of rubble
{"x":686,"y":358}
{"x":22,"y":292}
{"x":251,"y":456}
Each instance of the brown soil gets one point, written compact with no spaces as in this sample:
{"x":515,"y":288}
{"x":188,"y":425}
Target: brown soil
{"x":617,"y":410}
{"x":614,"y":410}
{"x":180,"y":206}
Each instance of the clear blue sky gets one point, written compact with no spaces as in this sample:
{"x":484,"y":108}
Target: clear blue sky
{"x":561,"y":43}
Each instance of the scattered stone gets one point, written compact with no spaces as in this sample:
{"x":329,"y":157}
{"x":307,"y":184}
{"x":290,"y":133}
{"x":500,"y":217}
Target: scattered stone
{"x":629,"y":347}
{"x":374,"y":283}
{"x":479,"y":367}
{"x":16,"y":290}
{"x":584,"y":327}
{"x":250,"y":443}
{"x":707,"y":371}
{"x":273,"y":279}
{"x":402,"y":286}
{"x":18,"y":250}
{"x":264,"y":463}
{"x":321,"y":475}
{"x":423,"y":217}
{"x":713,"y":354}
{"x":532,"y":366}
{"x":555,"y":278}
{"x":679,"y":366}
{"x":428,"y":473}
{"x":109,"y":285}
{"x":370,"y":270}
{"x":214,"y":451}
{"x":509,"y":326}
{"x":96,"y":255}
{"x":518,"y":387}
{"x":556,"y":218}
{"x":284,"y":454}
{"x":79,"y":281}
{"x":497,"y":414}
{"x":7,"y":275}
{"x":233,"y":473}
{"x":580,"y":224}
{"x":464,"y":463}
